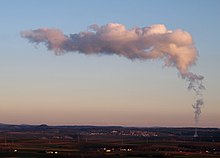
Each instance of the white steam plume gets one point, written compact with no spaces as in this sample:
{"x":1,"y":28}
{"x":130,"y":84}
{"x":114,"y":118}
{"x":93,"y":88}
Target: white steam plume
{"x":174,"y":47}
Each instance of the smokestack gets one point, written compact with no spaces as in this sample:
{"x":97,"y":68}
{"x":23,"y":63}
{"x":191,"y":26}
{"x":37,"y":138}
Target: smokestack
{"x":195,"y":134}
{"x":174,"y":47}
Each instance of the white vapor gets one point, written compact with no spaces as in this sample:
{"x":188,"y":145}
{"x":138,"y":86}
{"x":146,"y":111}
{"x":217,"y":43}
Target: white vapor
{"x":174,"y":47}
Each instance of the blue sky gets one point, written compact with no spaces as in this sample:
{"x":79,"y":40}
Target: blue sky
{"x":38,"y":87}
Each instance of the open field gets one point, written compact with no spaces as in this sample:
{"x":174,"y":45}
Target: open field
{"x":96,"y":142}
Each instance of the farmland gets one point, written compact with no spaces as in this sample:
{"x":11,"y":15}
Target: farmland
{"x":107,"y":141}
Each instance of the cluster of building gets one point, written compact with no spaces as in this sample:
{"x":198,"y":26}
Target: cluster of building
{"x":123,"y":133}
{"x":109,"y":150}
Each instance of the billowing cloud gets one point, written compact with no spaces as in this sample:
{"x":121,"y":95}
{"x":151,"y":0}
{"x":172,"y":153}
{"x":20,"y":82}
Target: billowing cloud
{"x":174,"y":47}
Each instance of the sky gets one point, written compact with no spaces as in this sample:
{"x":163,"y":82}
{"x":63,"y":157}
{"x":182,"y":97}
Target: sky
{"x":38,"y":87}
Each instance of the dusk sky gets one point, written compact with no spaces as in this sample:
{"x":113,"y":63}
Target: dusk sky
{"x":39,"y":87}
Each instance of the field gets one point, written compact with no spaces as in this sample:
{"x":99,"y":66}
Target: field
{"x":96,"y":142}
